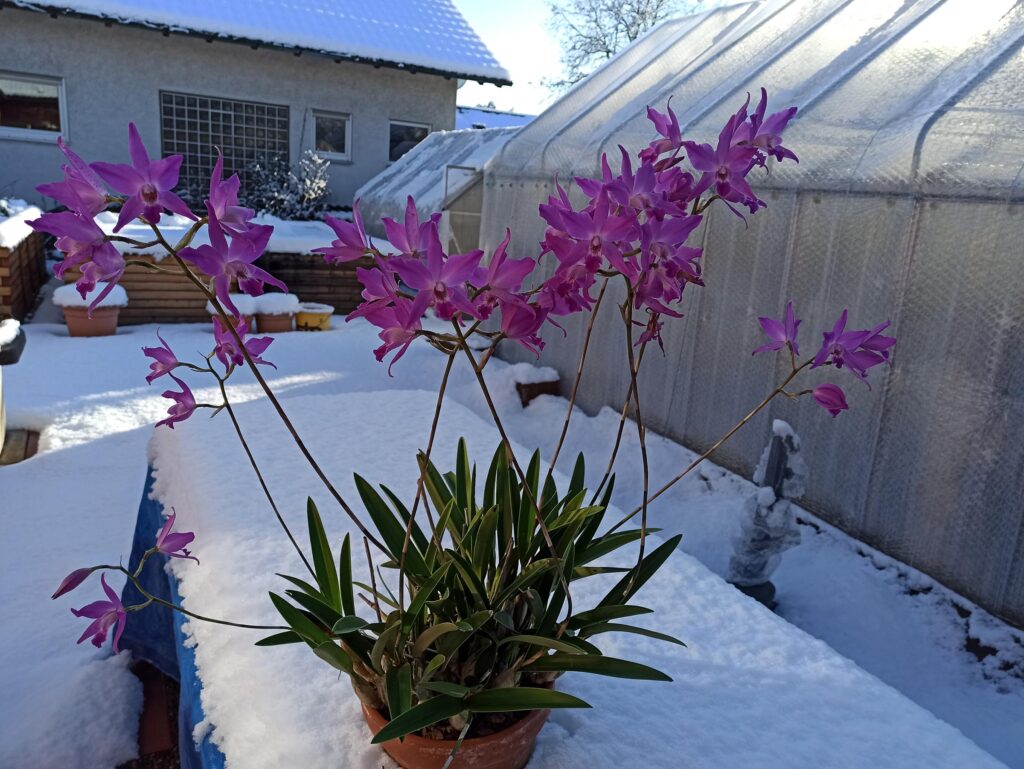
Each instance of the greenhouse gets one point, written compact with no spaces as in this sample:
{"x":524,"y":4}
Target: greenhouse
{"x":908,"y":200}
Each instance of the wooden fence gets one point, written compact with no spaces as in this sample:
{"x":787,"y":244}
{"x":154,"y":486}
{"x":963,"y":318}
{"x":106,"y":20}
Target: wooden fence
{"x":22,"y":273}
{"x":157,"y":297}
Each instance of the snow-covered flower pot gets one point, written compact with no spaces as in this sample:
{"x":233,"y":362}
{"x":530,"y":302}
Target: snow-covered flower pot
{"x":509,"y":748}
{"x":314,"y":317}
{"x":274,"y":312}
{"x":87,"y":316}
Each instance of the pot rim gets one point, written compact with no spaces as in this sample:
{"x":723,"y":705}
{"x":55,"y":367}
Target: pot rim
{"x":83,"y":312}
{"x":376,"y":721}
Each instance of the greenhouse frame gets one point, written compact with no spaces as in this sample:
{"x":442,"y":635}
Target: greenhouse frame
{"x":907,"y":203}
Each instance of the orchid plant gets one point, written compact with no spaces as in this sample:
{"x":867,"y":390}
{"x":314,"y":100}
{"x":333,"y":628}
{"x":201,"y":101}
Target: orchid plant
{"x":481,"y":618}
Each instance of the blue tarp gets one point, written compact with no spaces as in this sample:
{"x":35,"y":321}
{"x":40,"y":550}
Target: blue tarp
{"x":155,"y":634}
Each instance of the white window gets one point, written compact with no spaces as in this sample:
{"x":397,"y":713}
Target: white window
{"x":332,"y":135}
{"x":404,"y":136}
{"x":31,"y":107}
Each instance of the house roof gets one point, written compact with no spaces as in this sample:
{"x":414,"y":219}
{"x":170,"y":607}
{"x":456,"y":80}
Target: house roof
{"x":419,"y":35}
{"x":485,"y":117}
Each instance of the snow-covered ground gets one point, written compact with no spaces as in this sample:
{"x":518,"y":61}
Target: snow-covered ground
{"x":75,"y":503}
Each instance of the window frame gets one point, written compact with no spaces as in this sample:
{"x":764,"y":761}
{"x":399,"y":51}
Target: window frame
{"x":333,"y":157}
{"x":413,"y":124}
{"x":38,"y":134}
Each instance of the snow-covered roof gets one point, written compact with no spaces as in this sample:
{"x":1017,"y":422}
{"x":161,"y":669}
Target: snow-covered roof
{"x":434,"y":171}
{"x":426,"y":35}
{"x":484,"y":117}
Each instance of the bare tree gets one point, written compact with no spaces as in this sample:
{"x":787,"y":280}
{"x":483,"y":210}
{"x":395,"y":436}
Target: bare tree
{"x":593,"y":31}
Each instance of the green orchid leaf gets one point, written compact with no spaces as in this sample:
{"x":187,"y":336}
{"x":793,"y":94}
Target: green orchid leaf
{"x":323,"y":561}
{"x":598,"y":665}
{"x":521,"y":698}
{"x":422,"y":715}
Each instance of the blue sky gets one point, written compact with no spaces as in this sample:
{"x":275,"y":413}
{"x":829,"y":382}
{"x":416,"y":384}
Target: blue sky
{"x":516,"y":32}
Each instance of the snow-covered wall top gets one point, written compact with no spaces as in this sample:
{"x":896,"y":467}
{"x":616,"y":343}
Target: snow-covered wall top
{"x":434,"y":170}
{"x":482,"y":117}
{"x":14,"y":228}
{"x":426,"y":34}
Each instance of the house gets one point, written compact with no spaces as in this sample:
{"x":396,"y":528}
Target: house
{"x":360,"y":83}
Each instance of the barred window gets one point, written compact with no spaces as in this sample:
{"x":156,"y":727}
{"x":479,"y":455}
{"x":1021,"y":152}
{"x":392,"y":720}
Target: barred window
{"x":246,"y":132}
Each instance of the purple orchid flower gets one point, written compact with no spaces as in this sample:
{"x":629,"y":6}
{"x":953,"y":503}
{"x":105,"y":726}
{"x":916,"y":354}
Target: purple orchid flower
{"x":71,"y":581}
{"x":667,"y":125}
{"x":146,"y":183}
{"x":352,"y":242}
{"x":174,"y":544}
{"x":399,"y":324}
{"x":82,"y":190}
{"x":441,"y":277}
{"x":103,"y":615}
{"x":520,"y":321}
{"x":501,"y":279}
{"x":184,"y":404}
{"x":726,"y":167}
{"x":164,"y":359}
{"x":232,"y":218}
{"x":413,"y":237}
{"x":224,"y":262}
{"x":766,"y":133}
{"x":831,"y":398}
{"x":601,"y":232}
{"x":227,"y":349}
{"x":781,"y":332}
{"x":85,"y":246}
{"x":855,"y":350}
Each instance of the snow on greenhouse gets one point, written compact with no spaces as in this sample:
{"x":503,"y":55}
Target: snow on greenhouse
{"x":438,"y":173}
{"x":906,"y":203}
{"x":419,"y":34}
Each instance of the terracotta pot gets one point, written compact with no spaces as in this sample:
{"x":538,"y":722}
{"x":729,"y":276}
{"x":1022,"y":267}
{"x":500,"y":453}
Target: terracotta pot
{"x":314,"y":317}
{"x":272,"y":324}
{"x":508,"y":749}
{"x":102,"y":323}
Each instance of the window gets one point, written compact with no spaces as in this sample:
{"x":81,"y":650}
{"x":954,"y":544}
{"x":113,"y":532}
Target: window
{"x":332,"y":135}
{"x":405,"y":136}
{"x":30,"y":107}
{"x":246,"y":132}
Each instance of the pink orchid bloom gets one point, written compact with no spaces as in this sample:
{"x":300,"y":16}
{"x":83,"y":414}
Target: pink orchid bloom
{"x":224,"y":261}
{"x":184,"y":404}
{"x":352,"y":242}
{"x":71,"y":581}
{"x":831,"y":398}
{"x":164,"y":359}
{"x":146,"y":183}
{"x":411,"y":238}
{"x":780,"y":332}
{"x":174,"y":544}
{"x":82,"y":191}
{"x":223,"y":201}
{"x":724,"y":168}
{"x":85,"y":246}
{"x":521,"y":321}
{"x":601,"y":232}
{"x":103,"y":615}
{"x":855,"y":350}
{"x":399,"y":324}
{"x":501,"y":279}
{"x":441,"y":277}
{"x":227,"y":349}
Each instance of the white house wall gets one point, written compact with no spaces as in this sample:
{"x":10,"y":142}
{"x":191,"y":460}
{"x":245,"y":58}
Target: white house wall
{"x":114,"y":74}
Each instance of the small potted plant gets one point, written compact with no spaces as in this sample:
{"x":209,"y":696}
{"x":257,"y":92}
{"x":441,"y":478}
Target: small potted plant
{"x":93,"y":313}
{"x":478,"y":619}
{"x":274,"y":312}
{"x":313,"y":316}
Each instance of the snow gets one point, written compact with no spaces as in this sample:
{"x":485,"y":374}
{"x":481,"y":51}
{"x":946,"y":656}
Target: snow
{"x":277,"y":304}
{"x":14,"y":228}
{"x":746,"y":688}
{"x":422,"y":33}
{"x":289,"y":237}
{"x":484,"y":117}
{"x":243,"y":302}
{"x":433,"y":172}
{"x":315,"y":307}
{"x":9,"y":330}
{"x":81,"y":493}
{"x":68,"y":296}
